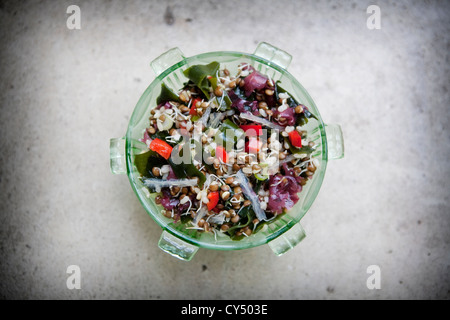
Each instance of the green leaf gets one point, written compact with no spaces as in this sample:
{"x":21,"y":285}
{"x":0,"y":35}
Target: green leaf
{"x":185,"y":218}
{"x":186,"y":170}
{"x":247,"y":215}
{"x":301,"y":120}
{"x":140,"y":160}
{"x":198,"y":74}
{"x":162,"y":135}
{"x":213,"y":80}
{"x":224,"y":102}
{"x":192,"y":171}
{"x":308,"y":114}
{"x":241,"y":94}
{"x":167,"y":95}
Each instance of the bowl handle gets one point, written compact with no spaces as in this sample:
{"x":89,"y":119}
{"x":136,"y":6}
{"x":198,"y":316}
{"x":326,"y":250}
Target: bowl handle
{"x":117,"y":156}
{"x":335,"y":141}
{"x":176,"y":247}
{"x":166,"y":60}
{"x":287,"y":240}
{"x":273,"y":54}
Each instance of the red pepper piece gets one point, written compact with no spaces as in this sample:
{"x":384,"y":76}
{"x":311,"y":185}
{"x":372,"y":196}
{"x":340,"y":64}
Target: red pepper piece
{"x":193,"y":110}
{"x":252,"y":130}
{"x":221,"y":154}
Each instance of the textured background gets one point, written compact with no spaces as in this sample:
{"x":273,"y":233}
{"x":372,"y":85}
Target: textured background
{"x":64,"y":93}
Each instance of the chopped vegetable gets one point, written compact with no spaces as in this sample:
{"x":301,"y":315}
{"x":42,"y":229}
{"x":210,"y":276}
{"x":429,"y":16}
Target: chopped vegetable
{"x":216,"y":118}
{"x":261,"y":177}
{"x":221,"y":154}
{"x":213,"y":200}
{"x":283,"y":193}
{"x":167,"y":201}
{"x":165,"y":124}
{"x":186,"y":169}
{"x":146,"y":161}
{"x":254,"y":81}
{"x":166,"y":95}
{"x":295,"y":138}
{"x":158,"y":183}
{"x":205,"y":117}
{"x":251,"y":195}
{"x":252,"y":130}
{"x":297,"y":151}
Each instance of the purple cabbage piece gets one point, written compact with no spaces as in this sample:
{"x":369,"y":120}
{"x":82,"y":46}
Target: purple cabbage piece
{"x":166,"y":105}
{"x":183,"y":207}
{"x":288,"y":171}
{"x":254,"y":81}
{"x":254,"y":108}
{"x":169,"y":202}
{"x":283,"y":194}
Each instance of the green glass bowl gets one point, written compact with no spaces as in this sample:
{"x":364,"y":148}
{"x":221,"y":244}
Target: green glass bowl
{"x":281,"y":234}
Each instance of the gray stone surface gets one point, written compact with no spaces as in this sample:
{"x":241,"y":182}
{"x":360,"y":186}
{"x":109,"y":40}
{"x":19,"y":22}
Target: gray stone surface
{"x":65,"y":93}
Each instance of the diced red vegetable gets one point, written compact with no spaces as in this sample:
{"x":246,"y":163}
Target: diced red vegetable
{"x":253,"y":145}
{"x":252,"y":130}
{"x":254,"y":81}
{"x":243,"y":105}
{"x":295,"y":138}
{"x":213,"y":199}
{"x":193,"y":110}
{"x":221,"y":154}
{"x":161,"y":147}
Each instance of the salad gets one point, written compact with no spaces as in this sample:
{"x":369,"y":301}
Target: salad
{"x":227,"y":153}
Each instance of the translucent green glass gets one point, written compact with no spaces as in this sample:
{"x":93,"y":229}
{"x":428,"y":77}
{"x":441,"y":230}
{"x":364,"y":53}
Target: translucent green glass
{"x":271,"y":62}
